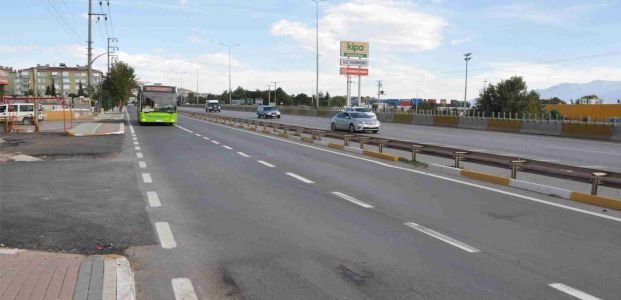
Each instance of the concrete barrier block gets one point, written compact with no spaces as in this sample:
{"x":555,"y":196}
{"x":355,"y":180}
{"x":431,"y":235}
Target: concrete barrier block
{"x":596,"y":200}
{"x":616,"y":133}
{"x":486,"y":177}
{"x":445,"y":121}
{"x":423,"y":120}
{"x":403,"y":118}
{"x":540,"y":188}
{"x":554,"y":129}
{"x":444,"y":169}
{"x":307,"y":140}
{"x":504,"y":125}
{"x":381,"y":155}
{"x":336,"y":146}
{"x":283,"y":135}
{"x":472,"y":123}
{"x":597,"y":132}
{"x":321,"y":143}
{"x":353,"y":149}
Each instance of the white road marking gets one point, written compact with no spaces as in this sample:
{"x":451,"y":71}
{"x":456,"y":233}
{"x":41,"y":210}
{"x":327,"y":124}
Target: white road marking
{"x":243,"y":154}
{"x":197,"y":134}
{"x":165,"y":234}
{"x":146,"y":177}
{"x":573,"y":292}
{"x":216,"y":142}
{"x":227,"y":147}
{"x":135,"y":139}
{"x":125,"y":285}
{"x":185,"y":129}
{"x":265,"y":163}
{"x":592,"y":167}
{"x":206,"y":138}
{"x":154,"y":199}
{"x":136,"y":143}
{"x":300,"y":178}
{"x":137,"y":148}
{"x":442,"y":237}
{"x":183,"y":289}
{"x":352,"y":200}
{"x":139,"y":155}
{"x":471,"y":184}
{"x":142,"y":164}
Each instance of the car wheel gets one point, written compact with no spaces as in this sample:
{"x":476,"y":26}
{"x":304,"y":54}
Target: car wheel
{"x":259,"y":116}
{"x":279,"y":117}
{"x":27,"y":121}
{"x":351,"y":128}
{"x":333,"y":127}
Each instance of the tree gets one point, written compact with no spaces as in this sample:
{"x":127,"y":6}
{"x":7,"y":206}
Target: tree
{"x":53,"y":89}
{"x":120,"y":82}
{"x":48,"y":91}
{"x":509,"y":96}
{"x":302,"y":99}
{"x":338,"y":101}
{"x":81,"y":90}
{"x":554,"y":100}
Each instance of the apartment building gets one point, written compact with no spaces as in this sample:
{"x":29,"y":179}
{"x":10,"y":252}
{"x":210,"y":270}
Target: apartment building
{"x":66,"y":80}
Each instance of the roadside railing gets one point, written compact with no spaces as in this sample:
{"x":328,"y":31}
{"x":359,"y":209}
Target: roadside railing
{"x":513,"y":164}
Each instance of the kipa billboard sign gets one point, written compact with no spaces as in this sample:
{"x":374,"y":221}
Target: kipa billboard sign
{"x":354,"y":49}
{"x":348,"y":62}
{"x":355,"y":71}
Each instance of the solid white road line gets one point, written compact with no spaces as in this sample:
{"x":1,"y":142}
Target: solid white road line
{"x":243,"y":154}
{"x":206,"y":138}
{"x":216,"y":142}
{"x":154,"y":199}
{"x":183,"y":289}
{"x":573,"y":292}
{"x":265,"y":163}
{"x":352,"y":200}
{"x":300,"y":178}
{"x":137,"y":148}
{"x":185,"y":129}
{"x":471,"y":184}
{"x":442,"y":237}
{"x":227,"y":147}
{"x":139,"y":155}
{"x":146,"y":177}
{"x":142,"y":164}
{"x":165,"y":234}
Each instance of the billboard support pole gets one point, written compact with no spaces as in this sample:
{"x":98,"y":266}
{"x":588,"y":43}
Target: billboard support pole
{"x":348,"y":103}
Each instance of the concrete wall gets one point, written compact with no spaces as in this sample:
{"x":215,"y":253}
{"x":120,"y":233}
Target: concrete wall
{"x":595,"y":111}
{"x":616,"y":135}
{"x":423,"y":120}
{"x":67,"y":115}
{"x":473,"y":123}
{"x":597,"y":132}
{"x":542,"y":128}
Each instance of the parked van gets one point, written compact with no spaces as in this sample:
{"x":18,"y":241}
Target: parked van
{"x":19,"y":113}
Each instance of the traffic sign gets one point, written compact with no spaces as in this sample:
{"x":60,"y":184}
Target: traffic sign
{"x":348,"y":62}
{"x":355,"y":71}
{"x":354,"y":49}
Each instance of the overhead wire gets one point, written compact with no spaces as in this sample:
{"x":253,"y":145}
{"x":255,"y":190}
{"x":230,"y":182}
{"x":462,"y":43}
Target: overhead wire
{"x":58,"y":20}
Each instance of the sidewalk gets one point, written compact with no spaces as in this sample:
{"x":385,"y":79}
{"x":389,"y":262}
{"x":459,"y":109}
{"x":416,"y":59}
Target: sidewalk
{"x":104,"y":124}
{"x":43,"y":275}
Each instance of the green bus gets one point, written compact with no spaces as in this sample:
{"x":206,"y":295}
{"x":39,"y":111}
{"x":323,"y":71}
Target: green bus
{"x":157,"y":104}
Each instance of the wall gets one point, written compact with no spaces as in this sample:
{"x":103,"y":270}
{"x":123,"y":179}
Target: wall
{"x":595,"y":111}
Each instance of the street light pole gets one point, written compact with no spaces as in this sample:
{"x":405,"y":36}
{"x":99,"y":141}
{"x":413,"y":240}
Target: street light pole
{"x":317,"y":50}
{"x":467,"y":58}
{"x":229,"y":46}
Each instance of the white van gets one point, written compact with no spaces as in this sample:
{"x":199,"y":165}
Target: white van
{"x":212,"y":105}
{"x":19,"y":113}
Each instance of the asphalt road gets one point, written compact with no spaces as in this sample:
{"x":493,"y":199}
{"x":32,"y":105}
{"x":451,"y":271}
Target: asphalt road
{"x":577,"y":152}
{"x":256,"y":217}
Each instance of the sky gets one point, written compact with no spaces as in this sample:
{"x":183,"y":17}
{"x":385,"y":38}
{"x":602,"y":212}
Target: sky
{"x":416,"y":47}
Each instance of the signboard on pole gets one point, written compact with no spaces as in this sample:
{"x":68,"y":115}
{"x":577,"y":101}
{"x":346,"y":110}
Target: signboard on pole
{"x":354,"y":71}
{"x":348,"y":62}
{"x":354,"y":49}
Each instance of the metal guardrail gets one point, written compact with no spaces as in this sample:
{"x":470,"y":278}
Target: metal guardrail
{"x":594,"y":176}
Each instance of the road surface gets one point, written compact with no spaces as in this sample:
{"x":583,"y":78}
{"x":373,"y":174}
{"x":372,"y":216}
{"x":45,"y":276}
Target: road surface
{"x":242,"y":215}
{"x":577,"y":152}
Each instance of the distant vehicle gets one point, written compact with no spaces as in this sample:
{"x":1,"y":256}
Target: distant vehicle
{"x":20,"y":113}
{"x":212,"y":105}
{"x":157,"y":104}
{"x":360,"y":109}
{"x":268,"y":111}
{"x":355,"y":121}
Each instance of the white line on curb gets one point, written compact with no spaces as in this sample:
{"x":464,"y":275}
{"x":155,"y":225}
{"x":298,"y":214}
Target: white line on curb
{"x":243,"y":154}
{"x":154,"y":199}
{"x":483,"y":187}
{"x":165,"y":234}
{"x":573,"y":292}
{"x":442,"y":237}
{"x":137,"y":148}
{"x":216,"y":142}
{"x":139,"y":155}
{"x":227,"y":147}
{"x":146,"y":177}
{"x":125,"y":285}
{"x":300,"y":178}
{"x":352,"y":200}
{"x":142,"y":164}
{"x":265,"y":163}
{"x":183,"y":289}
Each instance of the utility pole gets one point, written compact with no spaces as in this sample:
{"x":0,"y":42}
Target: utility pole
{"x":317,"y":57}
{"x":269,"y":92}
{"x":379,"y":91}
{"x":111,"y":49}
{"x":467,"y":58}
{"x":196,"y":94}
{"x":229,"y":46}
{"x":90,"y":44}
{"x":275,"y":89}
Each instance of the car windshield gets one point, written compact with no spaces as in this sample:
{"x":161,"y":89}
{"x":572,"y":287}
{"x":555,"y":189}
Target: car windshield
{"x":357,"y":115}
{"x":266,"y":108}
{"x":362,"y":109}
{"x":213,"y":104}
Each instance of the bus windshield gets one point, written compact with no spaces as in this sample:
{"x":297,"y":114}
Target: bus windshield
{"x":159,"y":102}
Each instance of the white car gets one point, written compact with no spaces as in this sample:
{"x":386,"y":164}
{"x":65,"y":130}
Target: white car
{"x":19,"y":113}
{"x":360,"y":109}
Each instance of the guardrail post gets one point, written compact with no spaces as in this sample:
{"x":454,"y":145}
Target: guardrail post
{"x":458,"y":155}
{"x":595,"y":181}
{"x":346,"y":139}
{"x":515,"y":164}
{"x":362,"y":140}
{"x":381,"y":145}
{"x":415,"y":149}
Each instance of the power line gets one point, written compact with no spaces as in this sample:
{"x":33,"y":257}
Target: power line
{"x":73,"y":16}
{"x":110,"y":19}
{"x":101,"y":10}
{"x":58,"y":21}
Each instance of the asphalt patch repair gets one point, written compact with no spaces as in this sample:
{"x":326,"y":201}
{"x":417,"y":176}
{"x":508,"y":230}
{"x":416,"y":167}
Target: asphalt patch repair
{"x":83,"y":197}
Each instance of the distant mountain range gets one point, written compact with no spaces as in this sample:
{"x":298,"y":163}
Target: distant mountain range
{"x":610,"y":91}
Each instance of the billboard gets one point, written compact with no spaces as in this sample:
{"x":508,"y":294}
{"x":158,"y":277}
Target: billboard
{"x":158,"y":88}
{"x":4,"y":77}
{"x":348,"y":62}
{"x":354,"y":49}
{"x":355,"y":71}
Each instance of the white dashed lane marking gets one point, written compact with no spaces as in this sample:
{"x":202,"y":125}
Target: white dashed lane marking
{"x":300,"y":178}
{"x":154,"y":199}
{"x":165,"y":234}
{"x":206,"y":138}
{"x":442,"y":237}
{"x":146,"y":177}
{"x":183,"y":289}
{"x":573,"y":292}
{"x":216,"y":142}
{"x":352,"y":200}
{"x":142,"y":164}
{"x":139,"y":155}
{"x":243,"y":154}
{"x":265,"y":163}
{"x":137,"y":148}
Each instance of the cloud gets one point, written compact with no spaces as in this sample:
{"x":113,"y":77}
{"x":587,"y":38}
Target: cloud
{"x":12,"y":49}
{"x":196,"y":39}
{"x":387,"y":25}
{"x":460,"y":41}
{"x":183,"y":2}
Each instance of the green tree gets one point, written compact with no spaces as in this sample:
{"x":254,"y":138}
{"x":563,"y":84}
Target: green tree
{"x":554,"y":100}
{"x":48,"y":91}
{"x":53,"y":88}
{"x":509,"y":96}
{"x":119,"y":83}
{"x":302,"y":99}
{"x":81,"y":90}
{"x":338,"y":101}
